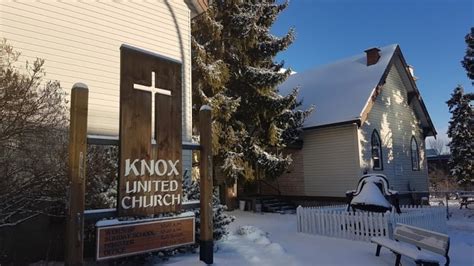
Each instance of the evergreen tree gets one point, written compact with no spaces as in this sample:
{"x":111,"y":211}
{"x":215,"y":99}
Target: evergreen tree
{"x":468,"y":62}
{"x":101,"y":177}
{"x":220,"y":219}
{"x":234,"y":72}
{"x":461,"y":134}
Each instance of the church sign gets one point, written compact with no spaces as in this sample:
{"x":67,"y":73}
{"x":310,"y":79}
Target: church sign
{"x":150,"y":165}
{"x":150,"y":134}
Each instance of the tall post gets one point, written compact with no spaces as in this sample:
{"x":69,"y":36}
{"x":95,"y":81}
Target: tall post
{"x":447,"y":206}
{"x":206,"y":245}
{"x":77,"y":174}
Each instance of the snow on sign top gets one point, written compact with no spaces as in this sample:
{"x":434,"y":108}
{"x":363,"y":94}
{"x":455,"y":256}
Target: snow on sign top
{"x":339,"y":91}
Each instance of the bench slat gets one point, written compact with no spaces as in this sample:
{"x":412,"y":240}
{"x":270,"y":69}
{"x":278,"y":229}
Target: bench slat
{"x":405,"y":250}
{"x":425,"y":239}
{"x":415,"y":243}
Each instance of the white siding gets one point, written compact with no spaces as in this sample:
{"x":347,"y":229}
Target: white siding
{"x":331,"y":161}
{"x":80,"y":41}
{"x":396,"y":123}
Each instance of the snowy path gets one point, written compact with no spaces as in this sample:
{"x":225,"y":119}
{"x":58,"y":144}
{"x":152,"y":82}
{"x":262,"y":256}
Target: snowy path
{"x":310,"y":249}
{"x":283,"y":246}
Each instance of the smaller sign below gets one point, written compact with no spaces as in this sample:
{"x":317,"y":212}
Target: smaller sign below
{"x":123,"y":238}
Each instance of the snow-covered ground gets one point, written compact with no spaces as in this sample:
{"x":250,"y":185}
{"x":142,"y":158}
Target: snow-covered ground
{"x":271,"y":239}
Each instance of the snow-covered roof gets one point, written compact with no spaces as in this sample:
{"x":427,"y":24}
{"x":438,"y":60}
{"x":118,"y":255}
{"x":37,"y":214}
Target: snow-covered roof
{"x":339,"y":91}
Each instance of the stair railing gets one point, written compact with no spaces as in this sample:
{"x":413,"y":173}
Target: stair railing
{"x":277,"y":189}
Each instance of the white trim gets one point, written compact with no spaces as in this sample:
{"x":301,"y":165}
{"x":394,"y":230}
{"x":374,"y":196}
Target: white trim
{"x":148,"y":52}
{"x":106,"y":137}
{"x":369,"y":99}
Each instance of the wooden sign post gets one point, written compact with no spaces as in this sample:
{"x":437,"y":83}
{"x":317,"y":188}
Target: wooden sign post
{"x":150,"y":164}
{"x":77,"y":175}
{"x":150,"y":178}
{"x":206,"y":244}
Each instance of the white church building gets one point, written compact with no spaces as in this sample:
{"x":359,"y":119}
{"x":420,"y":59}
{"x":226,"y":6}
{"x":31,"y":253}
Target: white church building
{"x":80,"y":42}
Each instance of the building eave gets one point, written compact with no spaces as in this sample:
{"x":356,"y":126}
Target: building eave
{"x":431,"y":131}
{"x":431,"y":128}
{"x":197,"y":6}
{"x":376,"y":91}
{"x":355,"y":121}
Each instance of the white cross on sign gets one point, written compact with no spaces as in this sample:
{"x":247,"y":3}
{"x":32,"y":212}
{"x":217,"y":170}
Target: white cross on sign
{"x":153,"y":90}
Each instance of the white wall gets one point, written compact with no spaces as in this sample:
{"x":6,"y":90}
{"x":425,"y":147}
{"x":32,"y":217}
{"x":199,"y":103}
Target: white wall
{"x":331,"y":161}
{"x":396,"y":122}
{"x":80,"y":41}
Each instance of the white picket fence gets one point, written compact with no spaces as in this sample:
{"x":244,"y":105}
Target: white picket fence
{"x":335,"y":221}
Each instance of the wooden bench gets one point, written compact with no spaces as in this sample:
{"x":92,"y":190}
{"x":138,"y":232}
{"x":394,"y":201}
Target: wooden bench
{"x":416,"y":243}
{"x":465,"y":200}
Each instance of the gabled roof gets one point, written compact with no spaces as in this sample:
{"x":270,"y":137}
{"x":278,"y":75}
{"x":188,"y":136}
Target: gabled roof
{"x":341,"y":91}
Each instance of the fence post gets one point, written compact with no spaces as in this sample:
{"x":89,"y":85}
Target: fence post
{"x":298,"y":218}
{"x":77,"y":175}
{"x":389,"y":218}
{"x":447,"y":205}
{"x":206,"y":245}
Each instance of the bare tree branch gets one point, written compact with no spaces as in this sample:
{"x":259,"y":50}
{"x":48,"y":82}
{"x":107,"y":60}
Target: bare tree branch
{"x":438,"y":145}
{"x":33,"y":139}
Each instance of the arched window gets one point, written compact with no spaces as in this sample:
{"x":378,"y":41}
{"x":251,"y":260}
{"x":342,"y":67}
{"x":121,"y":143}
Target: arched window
{"x":377,"y":163}
{"x":415,"y":155}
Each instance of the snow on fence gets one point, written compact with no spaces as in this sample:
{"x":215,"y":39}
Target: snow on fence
{"x":335,"y":221}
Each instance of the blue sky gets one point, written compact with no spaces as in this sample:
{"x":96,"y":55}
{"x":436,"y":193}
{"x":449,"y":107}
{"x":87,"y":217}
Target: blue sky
{"x":429,"y":32}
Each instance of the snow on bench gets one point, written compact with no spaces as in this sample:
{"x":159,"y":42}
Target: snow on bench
{"x":466,"y":199}
{"x":415,"y":243}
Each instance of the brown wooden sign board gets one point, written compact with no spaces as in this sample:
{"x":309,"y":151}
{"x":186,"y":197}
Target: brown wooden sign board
{"x":124,"y":240}
{"x":150,"y":178}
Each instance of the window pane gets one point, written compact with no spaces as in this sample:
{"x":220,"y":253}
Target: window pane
{"x":415,"y":156}
{"x":376,"y":163}
{"x":376,"y":151}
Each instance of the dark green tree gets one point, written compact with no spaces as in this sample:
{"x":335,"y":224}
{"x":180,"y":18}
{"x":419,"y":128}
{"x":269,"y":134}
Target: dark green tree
{"x":468,"y":61}
{"x":461,"y":134}
{"x":220,"y":219}
{"x":235,"y":73}
{"x":461,"y":124}
{"x":101,"y":177}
